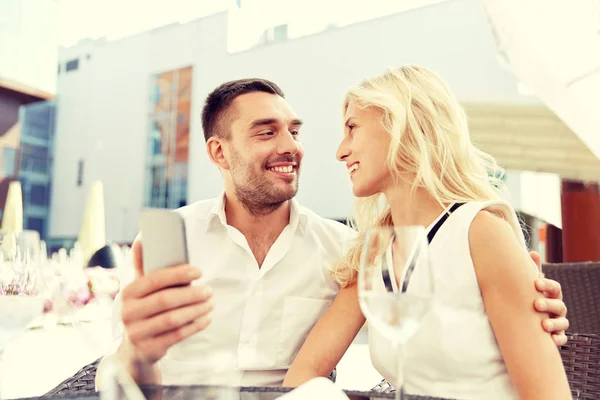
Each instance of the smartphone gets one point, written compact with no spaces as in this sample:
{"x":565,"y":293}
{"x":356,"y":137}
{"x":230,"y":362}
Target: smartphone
{"x":163,"y":239}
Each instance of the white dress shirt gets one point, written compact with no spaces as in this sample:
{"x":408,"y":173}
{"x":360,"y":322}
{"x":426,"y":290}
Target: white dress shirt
{"x":261,"y":316}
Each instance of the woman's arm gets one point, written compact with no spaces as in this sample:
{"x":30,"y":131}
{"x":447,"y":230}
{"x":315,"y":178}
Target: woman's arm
{"x":506,"y":278}
{"x":328,"y":340}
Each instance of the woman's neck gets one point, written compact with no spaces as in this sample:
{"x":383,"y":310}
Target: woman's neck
{"x":418,"y":208}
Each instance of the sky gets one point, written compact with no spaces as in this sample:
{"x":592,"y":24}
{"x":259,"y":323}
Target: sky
{"x":114,"y":19}
{"x":31,"y":30}
{"x":80,"y":19}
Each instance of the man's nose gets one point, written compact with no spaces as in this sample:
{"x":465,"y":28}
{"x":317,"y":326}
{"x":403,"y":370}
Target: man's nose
{"x":288,"y":144}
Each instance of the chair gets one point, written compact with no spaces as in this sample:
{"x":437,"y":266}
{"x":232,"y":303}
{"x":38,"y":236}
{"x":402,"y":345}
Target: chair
{"x":581,"y":294}
{"x":581,"y":358}
{"x":81,"y":383}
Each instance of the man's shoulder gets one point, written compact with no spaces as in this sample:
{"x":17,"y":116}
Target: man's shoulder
{"x":331,"y":236}
{"x":327,"y":225}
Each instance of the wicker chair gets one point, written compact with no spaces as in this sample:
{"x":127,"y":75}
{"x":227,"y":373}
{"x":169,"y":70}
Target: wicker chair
{"x":83,"y":382}
{"x":581,"y":358}
{"x":579,"y":282}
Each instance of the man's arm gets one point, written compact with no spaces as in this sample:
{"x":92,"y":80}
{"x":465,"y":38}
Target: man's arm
{"x":551,"y":305}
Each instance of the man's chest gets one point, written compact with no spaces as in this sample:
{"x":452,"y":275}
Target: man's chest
{"x":260,"y":245}
{"x":294,"y":268}
{"x":262,"y":314}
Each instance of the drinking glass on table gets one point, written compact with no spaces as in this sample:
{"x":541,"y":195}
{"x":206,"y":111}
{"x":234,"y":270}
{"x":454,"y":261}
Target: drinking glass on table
{"x":23,"y":293}
{"x":395,"y":285}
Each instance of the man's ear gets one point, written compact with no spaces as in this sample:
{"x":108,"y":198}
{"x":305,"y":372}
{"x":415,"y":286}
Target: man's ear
{"x":216,"y":149}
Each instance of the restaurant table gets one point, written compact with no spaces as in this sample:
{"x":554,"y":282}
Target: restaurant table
{"x":242,"y":393}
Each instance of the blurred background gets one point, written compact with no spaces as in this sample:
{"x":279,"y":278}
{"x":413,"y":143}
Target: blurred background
{"x":112,"y":90}
{"x":100,"y":102}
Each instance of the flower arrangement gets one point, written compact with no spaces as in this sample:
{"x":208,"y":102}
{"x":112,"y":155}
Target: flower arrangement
{"x":103,"y":281}
{"x":80,"y":288}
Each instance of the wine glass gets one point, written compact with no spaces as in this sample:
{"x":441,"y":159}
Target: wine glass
{"x":23,"y":293}
{"x":395,"y":285}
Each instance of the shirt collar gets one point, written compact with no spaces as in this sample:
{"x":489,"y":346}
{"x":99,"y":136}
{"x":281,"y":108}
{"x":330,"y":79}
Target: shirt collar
{"x":217,"y":211}
{"x":298,"y":214}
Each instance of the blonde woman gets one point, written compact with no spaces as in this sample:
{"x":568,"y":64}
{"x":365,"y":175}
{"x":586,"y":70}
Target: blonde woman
{"x":406,"y":140}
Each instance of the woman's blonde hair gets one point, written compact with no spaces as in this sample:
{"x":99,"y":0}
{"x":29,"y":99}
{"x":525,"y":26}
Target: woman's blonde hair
{"x":429,"y":140}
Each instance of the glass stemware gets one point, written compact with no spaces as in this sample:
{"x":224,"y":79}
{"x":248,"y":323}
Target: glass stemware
{"x":395,"y":286}
{"x":23,"y":293}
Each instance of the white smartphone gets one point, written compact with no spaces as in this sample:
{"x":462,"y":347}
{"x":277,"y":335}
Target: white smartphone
{"x":163,"y":239}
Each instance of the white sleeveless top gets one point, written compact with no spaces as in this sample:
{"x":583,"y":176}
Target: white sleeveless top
{"x":454,"y":354}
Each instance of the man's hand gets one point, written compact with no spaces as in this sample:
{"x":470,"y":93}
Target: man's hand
{"x":159,"y":310}
{"x":551,"y":304}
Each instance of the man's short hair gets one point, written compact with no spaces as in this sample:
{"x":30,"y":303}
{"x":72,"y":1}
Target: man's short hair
{"x":219,"y":100}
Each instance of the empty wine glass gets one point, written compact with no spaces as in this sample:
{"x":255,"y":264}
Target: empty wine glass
{"x":23,"y":294}
{"x":395,"y":285}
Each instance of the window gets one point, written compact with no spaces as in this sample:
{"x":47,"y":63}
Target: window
{"x":280,"y":33}
{"x":34,"y":164}
{"x":38,"y":195}
{"x":80,"y":173}
{"x":168,"y":142}
{"x":36,"y":224}
{"x":37,"y":121}
{"x":34,"y":158}
{"x":72,"y":65}
{"x":9,"y":155}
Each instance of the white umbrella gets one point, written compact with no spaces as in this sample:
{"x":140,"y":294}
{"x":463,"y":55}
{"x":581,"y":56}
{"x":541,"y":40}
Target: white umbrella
{"x":92,"y":235}
{"x":12,"y":217}
{"x":553,"y":47}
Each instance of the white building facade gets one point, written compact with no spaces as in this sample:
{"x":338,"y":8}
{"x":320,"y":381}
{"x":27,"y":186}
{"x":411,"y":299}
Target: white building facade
{"x":128,"y":111}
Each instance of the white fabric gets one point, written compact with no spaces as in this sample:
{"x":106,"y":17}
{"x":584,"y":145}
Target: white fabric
{"x":454,"y":354}
{"x":261,"y":316}
{"x":316,"y":388}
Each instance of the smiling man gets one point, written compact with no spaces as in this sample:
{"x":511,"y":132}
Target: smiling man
{"x":264,"y":260}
